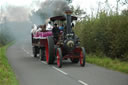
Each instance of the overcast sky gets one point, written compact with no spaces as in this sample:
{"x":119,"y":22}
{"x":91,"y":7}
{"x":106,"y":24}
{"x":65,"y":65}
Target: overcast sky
{"x":84,"y":4}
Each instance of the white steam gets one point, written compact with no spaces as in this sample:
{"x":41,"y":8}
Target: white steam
{"x":20,"y":19}
{"x":19,"y":14}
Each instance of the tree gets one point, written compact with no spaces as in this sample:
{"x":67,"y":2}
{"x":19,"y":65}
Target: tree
{"x":125,"y":2}
{"x":69,"y":1}
{"x":78,"y":11}
{"x":125,"y":12}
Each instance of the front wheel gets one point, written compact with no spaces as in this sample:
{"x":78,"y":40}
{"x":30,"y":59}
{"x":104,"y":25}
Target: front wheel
{"x":82,"y":57}
{"x":59,"y":57}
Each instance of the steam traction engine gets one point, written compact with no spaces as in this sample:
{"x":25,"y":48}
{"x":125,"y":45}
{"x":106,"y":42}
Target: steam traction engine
{"x":67,"y":45}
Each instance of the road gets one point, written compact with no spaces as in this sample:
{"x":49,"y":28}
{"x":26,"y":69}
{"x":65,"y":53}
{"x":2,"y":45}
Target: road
{"x":31,"y":71}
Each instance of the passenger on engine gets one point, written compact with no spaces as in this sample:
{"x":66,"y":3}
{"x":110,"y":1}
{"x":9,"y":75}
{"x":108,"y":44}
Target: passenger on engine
{"x":61,"y":27}
{"x":34,"y":28}
{"x":41,"y":28}
{"x":49,"y":27}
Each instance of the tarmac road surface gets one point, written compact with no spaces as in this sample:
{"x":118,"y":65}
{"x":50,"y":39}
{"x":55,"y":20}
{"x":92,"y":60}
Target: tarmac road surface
{"x":31,"y":71}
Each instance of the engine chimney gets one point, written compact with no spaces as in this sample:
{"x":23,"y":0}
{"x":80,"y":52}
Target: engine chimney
{"x":68,"y":13}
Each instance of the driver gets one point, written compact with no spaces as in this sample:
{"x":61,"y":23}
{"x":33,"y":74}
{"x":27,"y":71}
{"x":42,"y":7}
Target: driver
{"x":56,"y":31}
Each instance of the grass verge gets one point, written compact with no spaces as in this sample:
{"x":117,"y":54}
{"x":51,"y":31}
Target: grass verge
{"x":7,"y":76}
{"x":108,"y":63}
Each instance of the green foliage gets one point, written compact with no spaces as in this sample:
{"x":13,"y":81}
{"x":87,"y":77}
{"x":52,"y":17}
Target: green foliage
{"x":108,"y":63}
{"x":125,"y":12}
{"x":105,"y":34}
{"x":7,"y":77}
{"x":77,"y":11}
{"x":5,"y":36}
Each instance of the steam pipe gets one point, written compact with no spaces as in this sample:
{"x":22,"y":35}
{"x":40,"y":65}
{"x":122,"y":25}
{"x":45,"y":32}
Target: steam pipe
{"x":68,"y":23}
{"x":68,"y":13}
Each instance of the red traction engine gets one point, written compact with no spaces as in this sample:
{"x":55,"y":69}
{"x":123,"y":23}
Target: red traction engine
{"x":66,"y":46}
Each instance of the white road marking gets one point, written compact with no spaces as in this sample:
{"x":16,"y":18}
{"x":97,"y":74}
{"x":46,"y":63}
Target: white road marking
{"x":23,"y":49}
{"x":60,"y":70}
{"x":26,"y":51}
{"x":44,"y":62}
{"x":81,"y":82}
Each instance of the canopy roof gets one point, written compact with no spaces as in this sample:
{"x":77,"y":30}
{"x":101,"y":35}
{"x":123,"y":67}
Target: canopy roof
{"x":62,"y":18}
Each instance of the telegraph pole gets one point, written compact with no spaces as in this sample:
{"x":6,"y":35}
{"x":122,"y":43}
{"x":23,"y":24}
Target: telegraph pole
{"x":1,"y":16}
{"x":1,"y":23}
{"x":117,"y":6}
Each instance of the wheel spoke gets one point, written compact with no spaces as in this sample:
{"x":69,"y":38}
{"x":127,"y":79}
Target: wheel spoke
{"x":82,"y":57}
{"x":59,"y":58}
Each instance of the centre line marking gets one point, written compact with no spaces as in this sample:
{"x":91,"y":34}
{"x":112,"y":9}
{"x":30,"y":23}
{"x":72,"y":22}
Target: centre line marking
{"x":44,"y":62}
{"x":81,"y":82}
{"x":26,"y":51}
{"x":60,"y":70}
{"x":23,"y":49}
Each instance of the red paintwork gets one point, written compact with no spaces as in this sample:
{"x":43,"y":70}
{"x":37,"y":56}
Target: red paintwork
{"x":58,"y":59}
{"x":76,"y":53}
{"x":72,"y":54}
{"x":43,"y":42}
{"x":81,"y":58}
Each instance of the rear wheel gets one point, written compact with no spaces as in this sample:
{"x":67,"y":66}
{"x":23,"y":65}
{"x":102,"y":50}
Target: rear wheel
{"x":50,"y":50}
{"x":59,"y":57}
{"x":42,"y":54}
{"x":82,"y":57}
{"x":35,"y":51}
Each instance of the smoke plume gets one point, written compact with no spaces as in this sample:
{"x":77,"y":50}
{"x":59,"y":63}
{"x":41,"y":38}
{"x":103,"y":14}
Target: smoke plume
{"x":19,"y":20}
{"x":50,"y":8}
